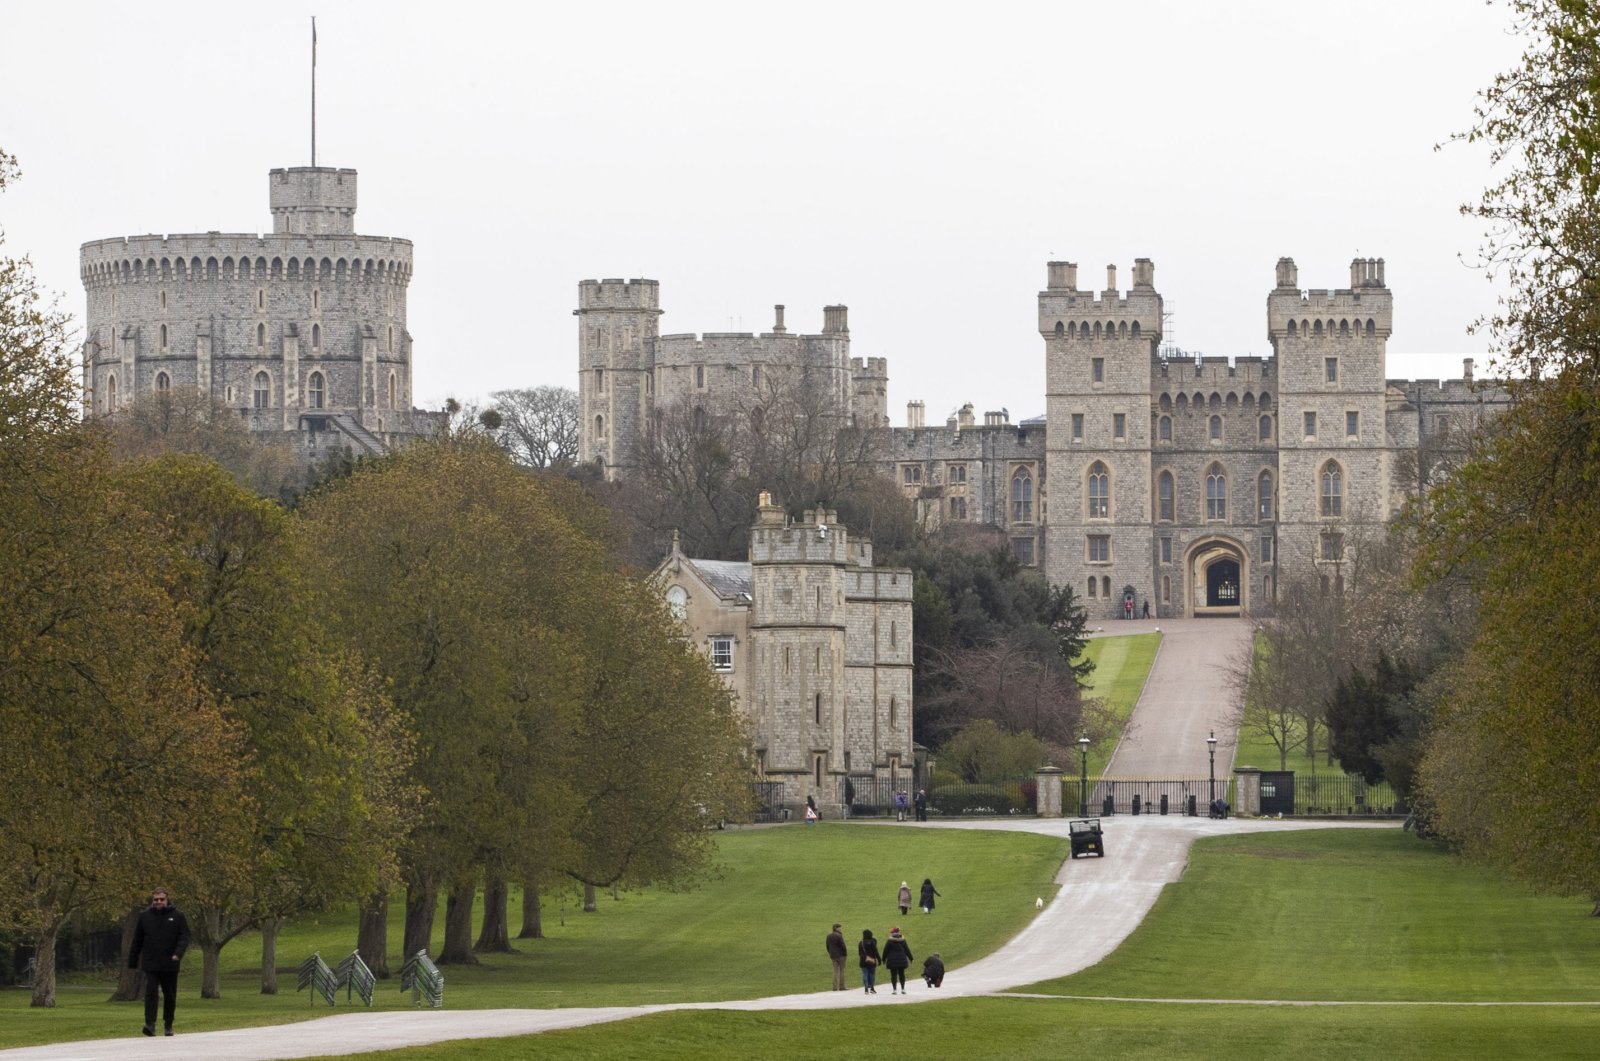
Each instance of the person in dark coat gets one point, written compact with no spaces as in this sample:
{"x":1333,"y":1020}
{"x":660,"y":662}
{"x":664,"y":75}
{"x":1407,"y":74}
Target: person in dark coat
{"x":837,"y":954}
{"x":867,"y":954}
{"x":933,"y":970}
{"x":928,"y":892}
{"x":159,"y":940}
{"x":922,"y":804}
{"x":897,"y":959}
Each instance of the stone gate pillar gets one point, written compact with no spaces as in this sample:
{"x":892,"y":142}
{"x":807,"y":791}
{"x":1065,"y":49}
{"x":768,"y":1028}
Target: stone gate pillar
{"x":1048,"y":799}
{"x":1247,"y":790}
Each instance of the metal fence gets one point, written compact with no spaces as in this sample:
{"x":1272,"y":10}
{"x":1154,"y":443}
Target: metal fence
{"x":1124,"y":795}
{"x":1346,"y":795}
{"x":766,"y":802}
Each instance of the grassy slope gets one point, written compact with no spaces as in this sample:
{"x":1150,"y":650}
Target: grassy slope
{"x":752,"y":929}
{"x":1330,"y":915}
{"x":1121,"y":666}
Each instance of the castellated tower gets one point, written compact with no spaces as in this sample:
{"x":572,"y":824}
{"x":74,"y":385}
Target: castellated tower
{"x":302,"y":330}
{"x":617,"y":327}
{"x":1334,"y":453}
{"x":1099,"y":352}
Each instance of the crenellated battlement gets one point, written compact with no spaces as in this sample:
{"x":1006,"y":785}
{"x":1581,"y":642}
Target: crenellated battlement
{"x":618,"y":294}
{"x":1363,"y":311}
{"x":188,"y":257}
{"x":1065,"y":312}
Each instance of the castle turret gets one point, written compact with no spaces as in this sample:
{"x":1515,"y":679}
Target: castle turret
{"x":313,"y":200}
{"x":618,"y":324}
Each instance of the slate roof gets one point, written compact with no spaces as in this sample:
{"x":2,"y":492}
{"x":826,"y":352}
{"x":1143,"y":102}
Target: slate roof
{"x":730,"y":578}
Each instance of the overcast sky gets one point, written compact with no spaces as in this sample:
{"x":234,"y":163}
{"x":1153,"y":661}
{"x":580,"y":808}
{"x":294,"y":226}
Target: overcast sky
{"x":917,"y":162}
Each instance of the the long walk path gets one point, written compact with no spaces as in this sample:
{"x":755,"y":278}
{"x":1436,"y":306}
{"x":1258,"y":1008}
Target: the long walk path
{"x":1102,"y":900}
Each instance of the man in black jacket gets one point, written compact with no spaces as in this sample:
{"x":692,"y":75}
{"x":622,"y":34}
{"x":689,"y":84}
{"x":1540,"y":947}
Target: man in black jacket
{"x":159,"y":941}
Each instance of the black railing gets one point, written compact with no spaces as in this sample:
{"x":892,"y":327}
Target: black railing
{"x":766,"y":802}
{"x":1346,"y":795}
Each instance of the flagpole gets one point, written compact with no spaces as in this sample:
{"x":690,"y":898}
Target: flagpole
{"x":313,"y":91}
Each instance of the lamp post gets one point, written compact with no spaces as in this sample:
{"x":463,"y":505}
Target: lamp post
{"x":1083,"y":778}
{"x":1211,"y":746}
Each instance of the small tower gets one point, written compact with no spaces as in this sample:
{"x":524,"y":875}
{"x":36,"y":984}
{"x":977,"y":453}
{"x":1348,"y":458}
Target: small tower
{"x":617,"y":329}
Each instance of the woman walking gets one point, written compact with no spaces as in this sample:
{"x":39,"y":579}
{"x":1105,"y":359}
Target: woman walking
{"x":928,"y":892}
{"x":867,"y":953}
{"x":905,"y":898}
{"x":897,"y":957}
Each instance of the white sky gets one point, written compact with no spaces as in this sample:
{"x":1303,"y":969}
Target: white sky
{"x":918,"y":162}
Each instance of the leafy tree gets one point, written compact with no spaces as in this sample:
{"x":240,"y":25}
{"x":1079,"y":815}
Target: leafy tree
{"x":982,"y":752}
{"x":1370,"y":714}
{"x":189,"y":420}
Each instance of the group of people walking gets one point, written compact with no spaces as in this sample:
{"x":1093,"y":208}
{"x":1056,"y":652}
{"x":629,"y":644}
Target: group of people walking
{"x":894,"y":955}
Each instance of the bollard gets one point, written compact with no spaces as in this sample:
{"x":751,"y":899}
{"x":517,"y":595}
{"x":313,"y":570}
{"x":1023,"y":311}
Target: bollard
{"x":1193,"y":812}
{"x":1108,"y":806}
{"x":1163,"y":803}
{"x":1136,"y":803}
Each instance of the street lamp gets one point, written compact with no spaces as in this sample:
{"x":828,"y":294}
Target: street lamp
{"x":1211,"y":746}
{"x":1083,"y":778}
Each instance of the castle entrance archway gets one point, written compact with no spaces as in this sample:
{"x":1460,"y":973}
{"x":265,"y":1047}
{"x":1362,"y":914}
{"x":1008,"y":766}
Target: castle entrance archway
{"x":1216,"y":577}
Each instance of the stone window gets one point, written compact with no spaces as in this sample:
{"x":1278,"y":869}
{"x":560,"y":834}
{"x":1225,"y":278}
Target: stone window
{"x":316,"y":299}
{"x":722,"y":653}
{"x":1164,"y":431}
{"x":163,"y":383}
{"x":261,"y":298}
{"x":1077,"y":427}
{"x":958,"y":508}
{"x":1166,"y":550}
{"x":1266,"y":429}
{"x":1099,"y":369}
{"x":599,"y":381}
{"x":911,"y":474}
{"x":163,"y":300}
{"x":261,"y":336}
{"x":163,"y":337}
{"x":1310,"y":424}
{"x":1332,"y":489}
{"x":315,"y":391}
{"x":817,"y":706}
{"x":1164,"y":494}
{"x":1216,"y":493}
{"x":1264,"y":495}
{"x":599,"y":427}
{"x":1266,"y":550}
{"x":1166,"y":589}
{"x":261,"y":393}
{"x":1119,"y":425}
{"x":699,"y":377}
{"x":1099,"y":491}
{"x":1333,"y":546}
{"x":1330,"y":369}
{"x":316,"y":337}
{"x":1022,"y":549}
{"x":1352,"y":424}
{"x":1100,"y":549}
{"x":1022,"y":496}
{"x":391,"y":390}
{"x":1216,"y":429}
{"x":894,"y":710}
{"x":1094,"y":587}
{"x":1061,"y":329}
{"x":957,"y":474}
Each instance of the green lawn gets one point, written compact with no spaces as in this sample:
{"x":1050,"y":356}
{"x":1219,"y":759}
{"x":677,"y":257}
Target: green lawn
{"x":1121,"y":665}
{"x":1359,"y":915}
{"x":753,"y":928}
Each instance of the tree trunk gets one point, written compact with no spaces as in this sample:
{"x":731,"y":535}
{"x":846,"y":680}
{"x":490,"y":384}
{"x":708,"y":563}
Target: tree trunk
{"x":532,"y":924}
{"x":209,"y":937}
{"x":420,"y":903}
{"x":372,"y":934}
{"x":458,"y":926}
{"x":44,"y":970}
{"x":269,"y":954}
{"x":495,"y":936}
{"x":589,"y":906}
{"x":130,"y":982}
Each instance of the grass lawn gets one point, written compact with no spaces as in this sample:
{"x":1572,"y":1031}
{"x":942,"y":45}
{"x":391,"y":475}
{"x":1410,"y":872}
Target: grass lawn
{"x":753,"y":928}
{"x":1121,"y":665}
{"x":1359,"y":916}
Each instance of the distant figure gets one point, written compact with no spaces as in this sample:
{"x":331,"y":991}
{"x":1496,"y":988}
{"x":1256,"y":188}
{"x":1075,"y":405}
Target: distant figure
{"x":837,"y":952}
{"x":1146,"y":614}
{"x":905,"y":898}
{"x":933,"y":970}
{"x":900,"y":805}
{"x":1127,"y":608}
{"x":159,"y":940}
{"x":928,"y":892}
{"x":1219,"y":808}
{"x":897,"y":958}
{"x":922,"y":804}
{"x":867,"y":954}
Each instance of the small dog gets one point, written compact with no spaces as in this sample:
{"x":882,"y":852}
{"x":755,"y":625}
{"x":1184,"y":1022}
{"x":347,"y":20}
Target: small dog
{"x":1038,"y":904}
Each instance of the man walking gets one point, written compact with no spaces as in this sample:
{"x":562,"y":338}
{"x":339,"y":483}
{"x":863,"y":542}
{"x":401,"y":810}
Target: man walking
{"x":922,"y":804}
{"x":159,"y":941}
{"x":836,"y":953}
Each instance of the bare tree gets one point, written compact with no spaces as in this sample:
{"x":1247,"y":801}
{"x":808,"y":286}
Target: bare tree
{"x":538,"y":425}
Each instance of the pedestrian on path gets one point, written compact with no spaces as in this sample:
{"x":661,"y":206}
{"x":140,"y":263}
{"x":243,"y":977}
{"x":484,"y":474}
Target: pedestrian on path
{"x":928,"y":892}
{"x":837,"y":952}
{"x":922,"y":804}
{"x":867,"y":954}
{"x":933,"y":970}
{"x":900,"y":805}
{"x":905,"y":898}
{"x":897,"y":958}
{"x":159,"y":940}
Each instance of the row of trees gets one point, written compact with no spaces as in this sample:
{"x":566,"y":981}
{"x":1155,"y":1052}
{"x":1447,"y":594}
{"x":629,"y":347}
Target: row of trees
{"x":1460,"y":661}
{"x":426,"y":676}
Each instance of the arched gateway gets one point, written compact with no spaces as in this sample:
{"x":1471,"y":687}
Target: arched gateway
{"x":1215,"y":570}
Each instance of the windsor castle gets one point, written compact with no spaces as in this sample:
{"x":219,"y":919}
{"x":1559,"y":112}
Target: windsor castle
{"x":1154,"y":479}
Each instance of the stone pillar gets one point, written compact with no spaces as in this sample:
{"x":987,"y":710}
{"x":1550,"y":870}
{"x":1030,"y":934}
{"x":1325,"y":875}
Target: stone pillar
{"x":1247,"y":790}
{"x":1048,"y":801}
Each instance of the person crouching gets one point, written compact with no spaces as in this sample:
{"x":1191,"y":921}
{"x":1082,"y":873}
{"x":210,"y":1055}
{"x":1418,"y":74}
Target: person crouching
{"x":933,"y":970}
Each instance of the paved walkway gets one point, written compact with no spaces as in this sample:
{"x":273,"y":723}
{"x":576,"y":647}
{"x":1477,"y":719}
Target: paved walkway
{"x":1102,"y":899}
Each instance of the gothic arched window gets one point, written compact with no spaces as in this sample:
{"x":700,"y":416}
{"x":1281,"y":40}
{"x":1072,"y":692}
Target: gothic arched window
{"x":1164,"y":492}
{"x":1332,"y":489}
{"x":1022,"y":496}
{"x":315,"y":391}
{"x":1216,"y":493}
{"x":1264,"y":495}
{"x":1099,"y":491}
{"x":261,"y":394}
